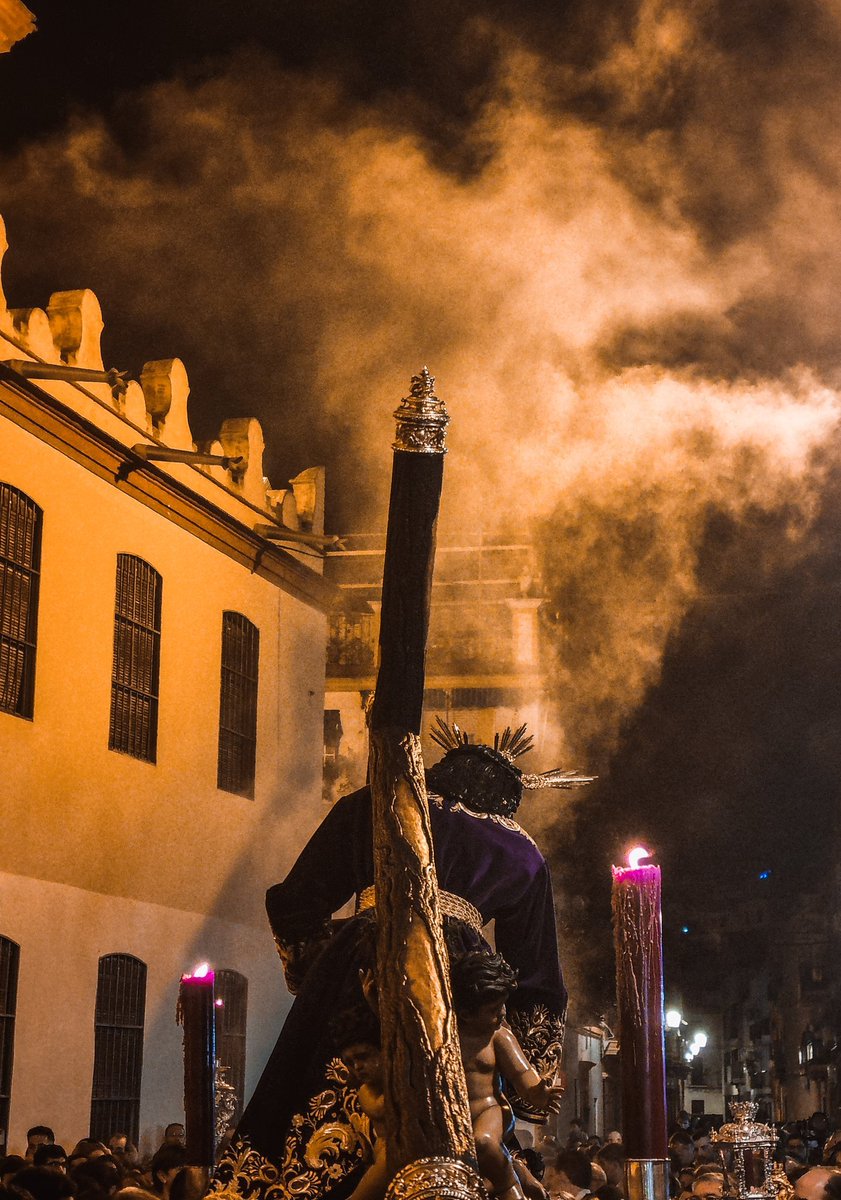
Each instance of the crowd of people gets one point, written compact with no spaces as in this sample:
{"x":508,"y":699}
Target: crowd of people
{"x":584,"y":1167}
{"x":95,"y":1170}
{"x":809,"y":1153}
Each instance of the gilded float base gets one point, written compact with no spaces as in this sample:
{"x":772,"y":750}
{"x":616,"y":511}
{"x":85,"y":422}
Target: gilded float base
{"x":646,"y":1179}
{"x":436,"y":1179}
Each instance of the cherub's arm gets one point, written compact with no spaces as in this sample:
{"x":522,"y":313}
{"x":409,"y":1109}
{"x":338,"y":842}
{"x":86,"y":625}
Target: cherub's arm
{"x":517,"y":1069}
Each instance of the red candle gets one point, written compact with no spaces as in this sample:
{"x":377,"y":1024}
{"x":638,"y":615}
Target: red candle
{"x":638,"y":934}
{"x":198,"y":1016}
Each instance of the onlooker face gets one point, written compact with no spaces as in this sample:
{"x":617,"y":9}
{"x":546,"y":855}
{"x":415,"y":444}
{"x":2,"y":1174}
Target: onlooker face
{"x":174,"y":1135}
{"x":33,"y":1142}
{"x":117,"y":1144}
{"x":812,"y":1184}
{"x":683,"y":1151}
{"x":708,"y":1187}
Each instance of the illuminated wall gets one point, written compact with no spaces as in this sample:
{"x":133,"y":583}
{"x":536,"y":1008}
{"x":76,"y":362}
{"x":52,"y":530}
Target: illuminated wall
{"x":102,"y":852}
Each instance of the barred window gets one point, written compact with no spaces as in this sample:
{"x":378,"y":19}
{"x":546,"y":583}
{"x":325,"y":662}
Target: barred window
{"x":9,"y":956}
{"x":118,"y":1047}
{"x":20,"y":563}
{"x":134,"y":676}
{"x":232,"y":990}
{"x":238,"y":705}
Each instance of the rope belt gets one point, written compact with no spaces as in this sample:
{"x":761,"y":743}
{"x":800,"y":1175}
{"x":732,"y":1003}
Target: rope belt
{"x":450,"y":904}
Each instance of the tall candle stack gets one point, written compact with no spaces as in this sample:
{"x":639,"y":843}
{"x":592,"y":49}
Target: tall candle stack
{"x":638,"y":937}
{"x":198,"y":1016}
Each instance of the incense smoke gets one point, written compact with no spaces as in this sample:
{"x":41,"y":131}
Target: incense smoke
{"x":610,"y":234}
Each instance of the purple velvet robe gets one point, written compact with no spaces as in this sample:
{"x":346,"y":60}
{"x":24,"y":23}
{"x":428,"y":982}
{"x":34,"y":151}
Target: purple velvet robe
{"x":290,"y":1140}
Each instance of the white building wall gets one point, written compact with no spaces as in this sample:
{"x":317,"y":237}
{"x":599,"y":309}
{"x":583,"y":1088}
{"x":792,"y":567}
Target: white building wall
{"x":102,"y":853}
{"x":62,"y":932}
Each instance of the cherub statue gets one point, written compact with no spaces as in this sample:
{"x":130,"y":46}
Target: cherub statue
{"x":482,"y":983}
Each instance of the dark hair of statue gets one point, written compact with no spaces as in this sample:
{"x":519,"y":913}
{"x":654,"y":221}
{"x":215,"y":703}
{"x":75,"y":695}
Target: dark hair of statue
{"x":480,"y":978}
{"x":480,"y":778}
{"x":354,"y":1026}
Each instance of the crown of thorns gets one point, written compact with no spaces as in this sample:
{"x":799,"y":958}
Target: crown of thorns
{"x":507,"y":746}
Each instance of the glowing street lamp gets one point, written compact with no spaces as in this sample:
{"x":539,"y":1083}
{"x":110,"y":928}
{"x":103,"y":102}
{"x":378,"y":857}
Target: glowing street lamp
{"x":674,"y":1018}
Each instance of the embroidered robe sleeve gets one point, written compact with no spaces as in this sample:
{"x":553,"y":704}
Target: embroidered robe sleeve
{"x":324,"y":877}
{"x":527,"y":939}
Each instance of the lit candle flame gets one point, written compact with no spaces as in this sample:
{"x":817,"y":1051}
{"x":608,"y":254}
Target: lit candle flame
{"x":636,"y":855}
{"x":201,"y":971}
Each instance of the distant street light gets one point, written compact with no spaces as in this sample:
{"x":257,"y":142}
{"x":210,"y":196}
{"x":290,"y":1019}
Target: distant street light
{"x":700,"y":1038}
{"x":673,"y":1018}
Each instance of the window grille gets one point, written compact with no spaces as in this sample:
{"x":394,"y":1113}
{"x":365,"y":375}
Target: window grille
{"x":238,"y":705}
{"x":118,"y":1047}
{"x":134,"y":678}
{"x":9,"y":956}
{"x":232,"y":990}
{"x":20,"y":563}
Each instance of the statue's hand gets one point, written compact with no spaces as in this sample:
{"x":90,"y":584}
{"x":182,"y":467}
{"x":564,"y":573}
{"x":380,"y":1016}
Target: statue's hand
{"x":368,"y":981}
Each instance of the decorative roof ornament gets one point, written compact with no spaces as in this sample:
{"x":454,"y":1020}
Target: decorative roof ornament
{"x":422,"y":418}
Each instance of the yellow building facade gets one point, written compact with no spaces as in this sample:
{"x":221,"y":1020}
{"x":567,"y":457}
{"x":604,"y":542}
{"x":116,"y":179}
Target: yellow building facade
{"x":161,"y":701}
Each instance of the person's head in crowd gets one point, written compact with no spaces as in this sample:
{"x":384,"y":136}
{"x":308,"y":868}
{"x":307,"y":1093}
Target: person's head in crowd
{"x":592,"y":1144}
{"x":611,"y":1159}
{"x":97,"y":1178}
{"x":533,"y":1160}
{"x":9,"y":1166}
{"x":685,"y":1176}
{"x":174,"y":1134}
{"x":123,"y":1150}
{"x":166,"y":1163}
{"x":681,"y":1149}
{"x":818,"y":1183}
{"x":132,"y":1192}
{"x":796,"y":1147}
{"x":38,"y":1135}
{"x":832,"y":1156}
{"x":819,"y":1126}
{"x":571,"y":1172}
{"x":84,"y":1149}
{"x":50,"y":1155}
{"x":614,"y":1138}
{"x":43,"y":1183}
{"x":705,"y":1151}
{"x":683,"y":1119}
{"x":708,"y":1185}
{"x":189,"y":1184}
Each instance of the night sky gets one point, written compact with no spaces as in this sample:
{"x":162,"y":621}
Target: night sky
{"x":612,"y":229}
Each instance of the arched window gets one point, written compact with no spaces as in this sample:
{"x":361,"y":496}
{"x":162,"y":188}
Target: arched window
{"x":231,"y":1015}
{"x":134,"y":676}
{"x":238,"y":705}
{"x":20,"y":565}
{"x":118,"y":1047}
{"x":9,"y":957}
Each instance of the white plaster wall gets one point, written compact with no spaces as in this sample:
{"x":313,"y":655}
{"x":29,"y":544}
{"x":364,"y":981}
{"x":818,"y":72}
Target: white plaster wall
{"x":62,"y":933}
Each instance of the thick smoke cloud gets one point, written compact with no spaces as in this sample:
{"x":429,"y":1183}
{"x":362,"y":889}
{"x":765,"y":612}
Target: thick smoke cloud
{"x":610,"y":231}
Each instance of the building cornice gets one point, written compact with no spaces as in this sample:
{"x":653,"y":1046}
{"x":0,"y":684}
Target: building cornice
{"x":42,"y":415}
